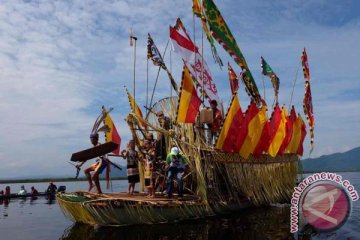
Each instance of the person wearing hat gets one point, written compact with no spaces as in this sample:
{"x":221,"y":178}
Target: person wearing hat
{"x":176,"y":163}
{"x":97,"y":168}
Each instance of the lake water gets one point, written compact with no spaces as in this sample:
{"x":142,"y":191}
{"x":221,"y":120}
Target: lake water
{"x":40,"y":219}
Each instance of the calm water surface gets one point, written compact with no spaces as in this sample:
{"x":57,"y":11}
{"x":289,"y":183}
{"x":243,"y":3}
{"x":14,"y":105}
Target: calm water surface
{"x":40,"y":219}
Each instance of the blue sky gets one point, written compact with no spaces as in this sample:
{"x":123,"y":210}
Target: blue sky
{"x":60,"y":61}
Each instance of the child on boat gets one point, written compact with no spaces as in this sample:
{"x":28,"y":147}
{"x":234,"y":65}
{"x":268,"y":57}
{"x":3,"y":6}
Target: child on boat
{"x":148,"y":150}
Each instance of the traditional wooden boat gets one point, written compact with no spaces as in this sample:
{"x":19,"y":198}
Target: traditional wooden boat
{"x":223,"y":177}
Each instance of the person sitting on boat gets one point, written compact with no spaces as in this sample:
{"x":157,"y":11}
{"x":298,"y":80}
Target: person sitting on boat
{"x":101,"y":163}
{"x":176,"y":163}
{"x":7,"y":191}
{"x":215,"y":126}
{"x":52,"y":188}
{"x":22,"y":191}
{"x":132,"y":158}
{"x":34,"y":191}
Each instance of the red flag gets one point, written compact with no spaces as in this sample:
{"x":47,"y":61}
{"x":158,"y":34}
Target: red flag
{"x":300,"y":149}
{"x":250,"y":113}
{"x":264,"y":141}
{"x":189,"y":102}
{"x":231,"y":127}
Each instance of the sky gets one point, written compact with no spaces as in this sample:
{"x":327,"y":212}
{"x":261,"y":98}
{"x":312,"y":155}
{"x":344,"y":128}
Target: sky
{"x":61,"y":60}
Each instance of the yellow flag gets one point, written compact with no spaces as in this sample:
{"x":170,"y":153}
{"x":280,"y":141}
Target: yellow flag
{"x":255,"y":129}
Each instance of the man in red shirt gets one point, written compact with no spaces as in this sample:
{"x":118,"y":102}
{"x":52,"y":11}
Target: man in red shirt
{"x":217,"y":119}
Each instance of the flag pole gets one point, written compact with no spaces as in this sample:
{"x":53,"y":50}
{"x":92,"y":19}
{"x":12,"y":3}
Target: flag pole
{"x":134,"y":82}
{"x":171,"y":85}
{"x":293,"y":87}
{"x":147,"y":84}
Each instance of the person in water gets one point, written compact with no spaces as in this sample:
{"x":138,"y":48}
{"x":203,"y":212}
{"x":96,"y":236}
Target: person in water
{"x":52,"y":188}
{"x":34,"y":191}
{"x":176,"y":163}
{"x":132,"y":158}
{"x":101,"y":163}
{"x":22,"y":191}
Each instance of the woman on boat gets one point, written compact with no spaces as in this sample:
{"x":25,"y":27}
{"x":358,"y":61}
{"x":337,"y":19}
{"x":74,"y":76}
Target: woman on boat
{"x":132,"y":158}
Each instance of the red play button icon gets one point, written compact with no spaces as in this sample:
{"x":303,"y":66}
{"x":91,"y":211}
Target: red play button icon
{"x":325,"y":206}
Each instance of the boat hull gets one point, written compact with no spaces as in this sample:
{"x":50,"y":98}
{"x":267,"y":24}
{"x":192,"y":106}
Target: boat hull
{"x":122,"y":209}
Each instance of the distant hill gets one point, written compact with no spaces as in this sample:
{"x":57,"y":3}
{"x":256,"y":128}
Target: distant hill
{"x":337,"y":162}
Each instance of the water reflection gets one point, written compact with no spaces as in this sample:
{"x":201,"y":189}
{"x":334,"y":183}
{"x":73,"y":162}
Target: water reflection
{"x":260,"y":223}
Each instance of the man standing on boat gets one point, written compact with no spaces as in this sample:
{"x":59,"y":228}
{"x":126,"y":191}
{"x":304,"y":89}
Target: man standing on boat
{"x":176,"y":163}
{"x":101,"y":163}
{"x":132,"y":158}
{"x":215,"y":126}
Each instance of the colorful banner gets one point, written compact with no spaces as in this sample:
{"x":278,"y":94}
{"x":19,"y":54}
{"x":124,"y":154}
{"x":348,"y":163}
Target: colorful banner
{"x":267,"y":71}
{"x":111,"y":135}
{"x":222,"y":34}
{"x":307,"y":103}
{"x":234,"y":80}
{"x":189,"y":52}
{"x":198,"y":11}
{"x":289,"y":131}
{"x":297,"y":138}
{"x":230,"y":130}
{"x":154,"y":54}
{"x":278,"y":129}
{"x":255,"y":129}
{"x":189,"y":102}
{"x":264,"y":141}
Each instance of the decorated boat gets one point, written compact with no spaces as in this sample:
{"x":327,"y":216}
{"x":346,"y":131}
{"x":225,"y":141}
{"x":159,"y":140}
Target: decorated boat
{"x":252,"y":161}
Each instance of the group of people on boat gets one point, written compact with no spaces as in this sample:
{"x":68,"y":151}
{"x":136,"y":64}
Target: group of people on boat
{"x":160,"y":167}
{"x":51,"y":190}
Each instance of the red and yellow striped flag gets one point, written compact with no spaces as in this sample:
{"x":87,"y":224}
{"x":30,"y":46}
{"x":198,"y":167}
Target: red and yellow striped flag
{"x":279,"y":130}
{"x":297,"y":138}
{"x":289,"y":131}
{"x":264,"y":142}
{"x":135,"y":108}
{"x":231,"y":127}
{"x":255,"y":129}
{"x":189,"y":102}
{"x":112,"y":134}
